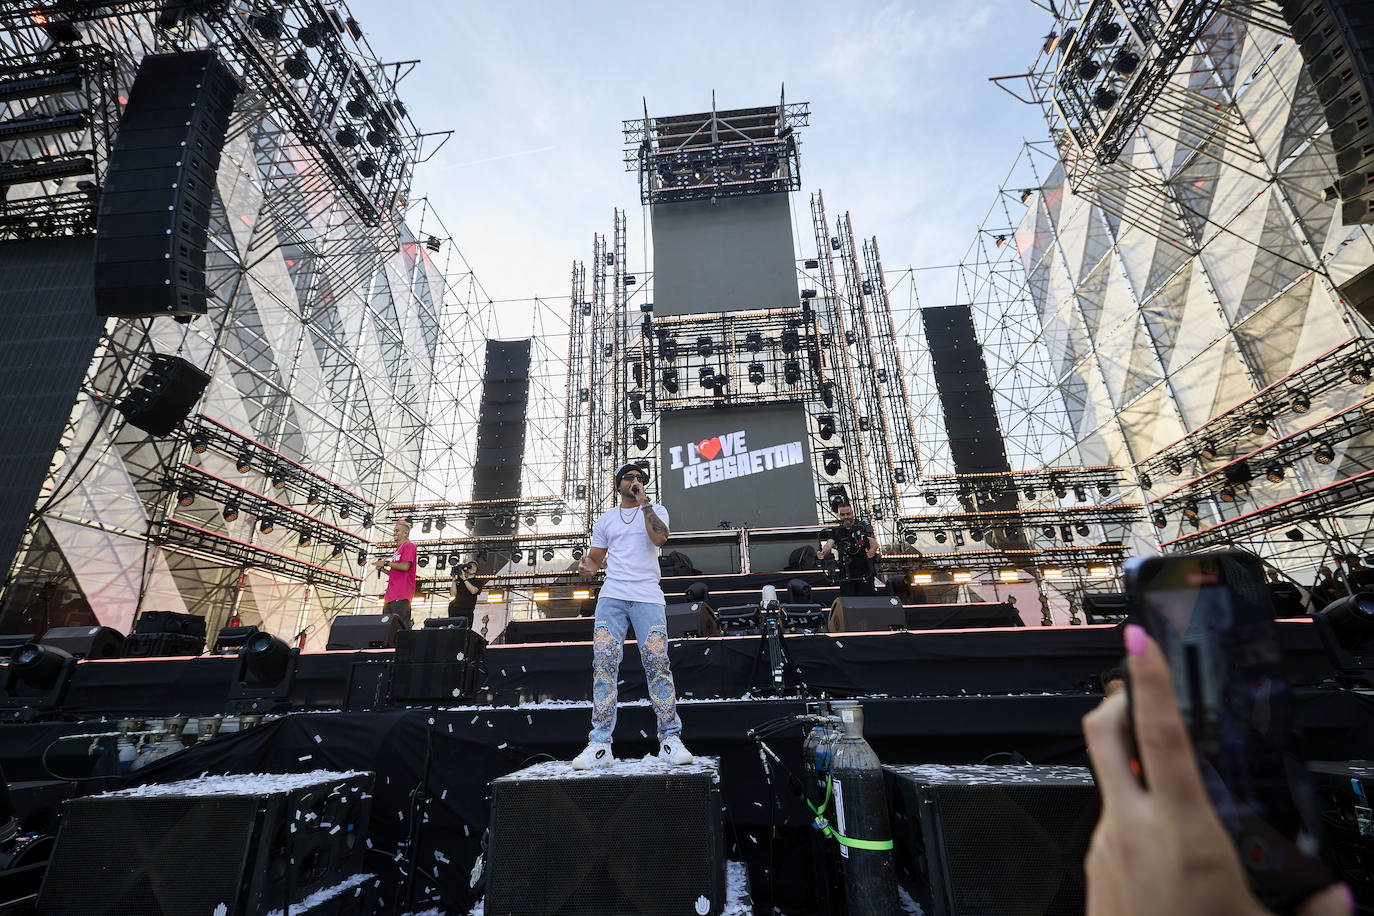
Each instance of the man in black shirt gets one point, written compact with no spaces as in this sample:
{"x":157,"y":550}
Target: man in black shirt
{"x":855,"y":547}
{"x":466,"y":587}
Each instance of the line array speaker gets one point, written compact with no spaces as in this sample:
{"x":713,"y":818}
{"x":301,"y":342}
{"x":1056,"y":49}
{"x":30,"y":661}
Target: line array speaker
{"x":165,"y":396}
{"x":1336,"y":38}
{"x":152,"y":224}
{"x":501,"y":430}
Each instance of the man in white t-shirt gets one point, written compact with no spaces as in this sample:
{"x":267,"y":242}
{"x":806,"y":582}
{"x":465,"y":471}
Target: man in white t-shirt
{"x":627,"y":539}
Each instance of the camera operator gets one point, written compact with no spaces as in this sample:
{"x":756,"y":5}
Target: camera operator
{"x":855,"y":547}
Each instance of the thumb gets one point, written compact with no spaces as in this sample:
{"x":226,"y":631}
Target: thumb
{"x":1336,"y":900}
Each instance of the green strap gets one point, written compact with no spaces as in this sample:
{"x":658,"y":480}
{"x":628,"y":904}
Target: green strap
{"x":823,"y":825}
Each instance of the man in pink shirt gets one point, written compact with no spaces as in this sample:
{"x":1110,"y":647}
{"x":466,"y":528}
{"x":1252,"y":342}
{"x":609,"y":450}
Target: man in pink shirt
{"x":400,"y":573}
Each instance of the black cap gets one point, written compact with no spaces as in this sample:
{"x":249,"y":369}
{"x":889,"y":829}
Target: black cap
{"x":627,"y":468}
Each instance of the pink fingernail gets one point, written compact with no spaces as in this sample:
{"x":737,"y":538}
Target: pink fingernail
{"x":1135,"y":640}
{"x":1349,"y":896}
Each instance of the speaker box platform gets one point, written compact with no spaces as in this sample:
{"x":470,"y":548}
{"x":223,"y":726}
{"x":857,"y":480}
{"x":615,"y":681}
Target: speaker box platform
{"x":86,"y":642}
{"x":992,"y":839}
{"x":365,"y":631}
{"x":632,"y":838}
{"x":865,"y":615}
{"x":237,"y":845}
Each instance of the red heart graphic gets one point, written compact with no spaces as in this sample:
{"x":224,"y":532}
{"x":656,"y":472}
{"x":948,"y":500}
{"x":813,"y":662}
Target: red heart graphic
{"x":709,"y":447}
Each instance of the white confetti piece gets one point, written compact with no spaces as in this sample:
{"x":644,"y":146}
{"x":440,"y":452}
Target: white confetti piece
{"x":529,"y":719}
{"x":474,"y":721}
{"x":840,"y":644}
{"x":501,"y":746}
{"x":489,"y":725}
{"x":443,"y":795}
{"x":708,"y":651}
{"x":319,"y":740}
{"x":306,"y":757}
{"x":642,"y":734}
{"x":503,"y":672}
{"x":522,"y":670}
{"x":465,"y":830}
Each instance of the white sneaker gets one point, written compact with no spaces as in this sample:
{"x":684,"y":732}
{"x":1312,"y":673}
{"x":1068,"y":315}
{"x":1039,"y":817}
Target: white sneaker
{"x":672,"y":751}
{"x":597,"y":754}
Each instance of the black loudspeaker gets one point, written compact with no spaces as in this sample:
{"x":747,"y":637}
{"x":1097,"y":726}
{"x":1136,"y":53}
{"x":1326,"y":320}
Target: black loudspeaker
{"x":961,"y":616}
{"x":993,"y":839}
{"x":689,"y":619}
{"x":550,"y":629}
{"x":151,"y":227}
{"x":501,"y":432}
{"x":165,"y":395}
{"x":161,"y":645}
{"x":1105,"y":607}
{"x":616,"y":843}
{"x":864,"y":615}
{"x":961,"y":380}
{"x":436,"y":665}
{"x":1336,"y":38}
{"x":365,"y":631}
{"x":238,"y":845}
{"x":86,"y":642}
{"x":171,"y":622}
{"x":1344,"y":795}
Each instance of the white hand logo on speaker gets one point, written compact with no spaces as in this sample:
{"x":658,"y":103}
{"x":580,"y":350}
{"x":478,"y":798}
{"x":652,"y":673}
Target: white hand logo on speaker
{"x":703,"y":905}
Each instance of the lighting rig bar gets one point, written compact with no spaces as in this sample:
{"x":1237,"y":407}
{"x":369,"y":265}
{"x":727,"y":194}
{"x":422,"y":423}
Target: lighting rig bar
{"x":1032,"y":483}
{"x":65,"y":111}
{"x":203,"y":433}
{"x":1116,"y":63}
{"x":1062,"y":559}
{"x":1115,"y":514}
{"x":1273,"y":460}
{"x":1341,"y":496}
{"x":1293,"y":394}
{"x":716,"y":154}
{"x":438,"y":515}
{"x":193,"y":482}
{"x":177,"y":534}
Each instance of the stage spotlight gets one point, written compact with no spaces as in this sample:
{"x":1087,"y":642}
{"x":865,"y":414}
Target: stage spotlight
{"x":958,"y":538}
{"x":427,"y":525}
{"x":1009,"y":575}
{"x":368,"y":520}
{"x":753,"y":342}
{"x":721,"y":382}
{"x":1030,"y":492}
{"x":1294,"y":534}
{"x":707,"y":377}
{"x":1274,"y":473}
{"x":1082,"y":529}
{"x":1174,"y":467}
{"x":1209,"y":449}
{"x":941,"y":537}
{"x":1108,"y":32}
{"x":1099,"y":572}
{"x":266,"y":657}
{"x":1323,"y":454}
{"x":791,"y":372}
{"x":668,"y":348}
{"x":1066,"y":534}
{"x":39,"y":666}
{"x":267,"y":24}
{"x":791,"y":340}
{"x":245,"y":463}
{"x":705,"y":347}
{"x":337,"y":550}
{"x":1125,"y":62}
{"x":345,"y":510}
{"x":357,"y":108}
{"x":278,"y":479}
{"x":186,"y":496}
{"x":1052,"y":572}
{"x":636,"y":404}
{"x":756,"y":373}
{"x":1088,"y":70}
{"x":440,"y":560}
{"x":548,"y":554}
{"x":1080,"y":493}
{"x":976,"y":533}
{"x":1146,"y":482}
{"x":529,"y":521}
{"x":266,"y":524}
{"x":641,"y":437}
{"x":577,"y":553}
{"x":440,"y":522}
{"x":310,"y":35}
{"x":200,"y":443}
{"x":930,"y":497}
{"x":304,"y":539}
{"x":362,"y":558}
{"x":297,"y":66}
{"x":1048,"y":532}
{"x":963,"y":576}
{"x":835,"y":495}
{"x":367,"y":167}
{"x":1359,"y":373}
{"x":1301,"y":403}
{"x":831,"y":459}
{"x":1060,"y":491}
{"x":1352,"y":622}
{"x":1190,"y":509}
{"x":533,"y":558}
{"x":423,"y":561}
{"x":1104,"y":97}
{"x":231,"y":511}
{"x":909,"y":536}
{"x":1159,"y":519}
{"x":670,"y":383}
{"x":828,"y":395}
{"x":1227,"y":494}
{"x":1259,"y":426}
{"x":1104,"y":489}
{"x":825,"y":426}
{"x":313,"y":497}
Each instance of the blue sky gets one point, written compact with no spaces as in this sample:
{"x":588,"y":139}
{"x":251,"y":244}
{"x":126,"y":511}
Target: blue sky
{"x":906,"y":132}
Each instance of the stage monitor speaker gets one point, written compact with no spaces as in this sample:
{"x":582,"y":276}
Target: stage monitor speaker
{"x":151,"y":226}
{"x":1342,"y":791}
{"x":171,"y":622}
{"x":438,"y":664}
{"x":869,"y":614}
{"x":165,"y":395}
{"x":1336,"y":38}
{"x":239,"y":845}
{"x":1105,"y":607}
{"x":993,"y":839}
{"x":365,"y":631}
{"x":689,"y":619}
{"x":974,"y":615}
{"x":86,"y":642}
{"x":550,"y":629}
{"x":161,"y":645}
{"x":609,"y":842}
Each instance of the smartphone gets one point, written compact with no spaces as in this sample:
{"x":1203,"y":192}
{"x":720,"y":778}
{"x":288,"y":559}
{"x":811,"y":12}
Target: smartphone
{"x":1213,"y":617}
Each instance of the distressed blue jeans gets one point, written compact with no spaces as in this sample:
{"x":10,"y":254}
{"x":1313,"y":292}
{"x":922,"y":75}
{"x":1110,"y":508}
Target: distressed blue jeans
{"x":613,"y":619}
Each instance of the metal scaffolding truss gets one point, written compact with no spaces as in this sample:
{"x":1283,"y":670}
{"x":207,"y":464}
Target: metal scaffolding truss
{"x":716,"y":153}
{"x":177,"y":535}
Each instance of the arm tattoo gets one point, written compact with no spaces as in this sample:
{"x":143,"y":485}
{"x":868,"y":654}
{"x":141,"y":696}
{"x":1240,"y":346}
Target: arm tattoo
{"x":654,"y":522}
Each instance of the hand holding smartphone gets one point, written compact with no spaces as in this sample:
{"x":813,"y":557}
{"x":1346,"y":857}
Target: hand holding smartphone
{"x":1212,"y":617}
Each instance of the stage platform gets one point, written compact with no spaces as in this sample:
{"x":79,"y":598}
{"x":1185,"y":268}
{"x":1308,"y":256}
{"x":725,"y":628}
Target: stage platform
{"x":943,"y":696}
